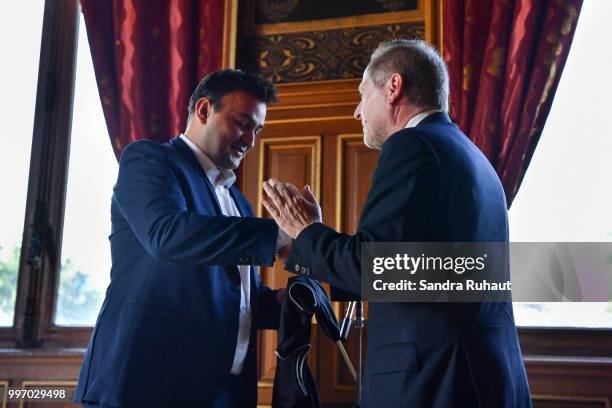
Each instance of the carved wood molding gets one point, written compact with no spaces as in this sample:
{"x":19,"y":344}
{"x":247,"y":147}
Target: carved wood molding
{"x":320,"y":55}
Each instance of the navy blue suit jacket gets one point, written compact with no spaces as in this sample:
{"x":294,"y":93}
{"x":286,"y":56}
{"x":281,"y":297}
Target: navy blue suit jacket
{"x":431,"y":184}
{"x":168,"y":326}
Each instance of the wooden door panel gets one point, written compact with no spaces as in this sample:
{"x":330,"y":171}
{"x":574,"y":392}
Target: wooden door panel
{"x":356,"y":164}
{"x":296,"y":160}
{"x":310,"y":143}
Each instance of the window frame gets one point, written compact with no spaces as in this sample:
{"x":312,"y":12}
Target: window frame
{"x":39,"y":265}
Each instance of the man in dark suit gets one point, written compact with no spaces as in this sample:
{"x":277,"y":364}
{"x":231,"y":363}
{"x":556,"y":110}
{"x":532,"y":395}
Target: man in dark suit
{"x":178,"y":324}
{"x":431,"y":184}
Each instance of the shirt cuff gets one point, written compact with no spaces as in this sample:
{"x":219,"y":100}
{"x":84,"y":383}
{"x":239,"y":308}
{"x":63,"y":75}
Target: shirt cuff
{"x":282,"y":239}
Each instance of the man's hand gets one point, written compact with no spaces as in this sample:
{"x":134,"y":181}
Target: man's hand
{"x":292,"y":210}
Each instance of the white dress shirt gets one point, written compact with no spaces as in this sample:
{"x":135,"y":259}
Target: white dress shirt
{"x":416,"y":119}
{"x":222,"y":181}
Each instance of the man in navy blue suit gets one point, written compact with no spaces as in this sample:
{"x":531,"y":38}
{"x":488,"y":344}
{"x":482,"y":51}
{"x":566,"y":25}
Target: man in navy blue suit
{"x":431,"y":184}
{"x":178,"y":324}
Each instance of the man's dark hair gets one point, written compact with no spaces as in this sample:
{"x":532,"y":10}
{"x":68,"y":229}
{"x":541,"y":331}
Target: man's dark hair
{"x":423,"y":69}
{"x":216,"y":84}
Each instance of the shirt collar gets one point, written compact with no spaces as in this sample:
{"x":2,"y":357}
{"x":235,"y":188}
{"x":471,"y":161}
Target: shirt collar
{"x":416,"y":119}
{"x":217,"y":178}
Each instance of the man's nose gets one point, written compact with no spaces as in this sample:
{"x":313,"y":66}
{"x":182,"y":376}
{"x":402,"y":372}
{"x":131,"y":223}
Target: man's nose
{"x":357,"y":114}
{"x":248,"y":138}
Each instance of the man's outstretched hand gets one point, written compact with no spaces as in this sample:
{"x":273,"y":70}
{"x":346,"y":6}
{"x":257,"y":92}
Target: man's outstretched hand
{"x":292,"y":210}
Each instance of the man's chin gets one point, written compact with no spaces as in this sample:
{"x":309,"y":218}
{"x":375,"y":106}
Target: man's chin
{"x":231,"y":163}
{"x":371,"y":143}
{"x":234,"y":163}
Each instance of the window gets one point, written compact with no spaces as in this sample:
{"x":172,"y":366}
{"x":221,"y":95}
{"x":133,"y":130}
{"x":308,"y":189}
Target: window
{"x":85,"y":261}
{"x":41,"y":37}
{"x":18,"y":82}
{"x":566,"y":194}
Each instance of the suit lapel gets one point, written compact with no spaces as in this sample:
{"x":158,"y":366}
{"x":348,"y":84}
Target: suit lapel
{"x":232,"y":270}
{"x":197,"y":169}
{"x":241,"y":204}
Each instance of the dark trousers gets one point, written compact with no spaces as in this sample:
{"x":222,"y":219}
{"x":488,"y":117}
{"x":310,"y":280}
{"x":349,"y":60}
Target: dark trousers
{"x":234,"y":393}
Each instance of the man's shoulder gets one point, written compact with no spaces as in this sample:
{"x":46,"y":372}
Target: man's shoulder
{"x":148,"y":146}
{"x":145,"y":148}
{"x":409,"y":142}
{"x":434,"y":137}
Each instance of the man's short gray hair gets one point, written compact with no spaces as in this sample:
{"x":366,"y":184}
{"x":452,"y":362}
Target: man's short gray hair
{"x":423,"y":69}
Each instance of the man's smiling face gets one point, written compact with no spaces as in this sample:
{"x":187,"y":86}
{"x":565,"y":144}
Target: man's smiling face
{"x":231,"y":128}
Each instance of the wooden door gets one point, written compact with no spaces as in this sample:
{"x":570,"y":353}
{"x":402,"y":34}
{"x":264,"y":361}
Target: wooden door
{"x":311,"y":137}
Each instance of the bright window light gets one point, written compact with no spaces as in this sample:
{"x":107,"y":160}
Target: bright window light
{"x":566,"y":195}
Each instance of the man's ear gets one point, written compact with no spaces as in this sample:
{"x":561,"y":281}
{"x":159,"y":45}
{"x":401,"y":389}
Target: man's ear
{"x":203,"y":109}
{"x":395,"y":87}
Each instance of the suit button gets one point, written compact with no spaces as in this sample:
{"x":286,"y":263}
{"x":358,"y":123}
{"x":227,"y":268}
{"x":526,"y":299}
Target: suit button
{"x":296,"y":268}
{"x":244,"y":260}
{"x":261,"y":260}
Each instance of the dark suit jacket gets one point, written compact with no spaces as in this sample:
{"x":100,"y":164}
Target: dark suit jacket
{"x":294,"y":385}
{"x":168,"y":326}
{"x":431,"y":184}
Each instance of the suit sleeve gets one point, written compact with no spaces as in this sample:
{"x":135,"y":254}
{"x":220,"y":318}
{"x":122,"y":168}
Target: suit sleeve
{"x":148,"y":194}
{"x":398,"y":208}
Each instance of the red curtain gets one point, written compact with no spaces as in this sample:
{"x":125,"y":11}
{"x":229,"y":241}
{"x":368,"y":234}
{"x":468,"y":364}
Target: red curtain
{"x":505,"y":60}
{"x":148,"y":57}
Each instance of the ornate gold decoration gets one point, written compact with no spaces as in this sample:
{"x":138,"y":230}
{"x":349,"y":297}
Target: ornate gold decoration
{"x":570,"y":19}
{"x":321,"y":55}
{"x":497,"y":63}
{"x":466,"y":84}
{"x":277,"y":10}
{"x":414,"y":16}
{"x":118,"y":144}
{"x":392,"y":5}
